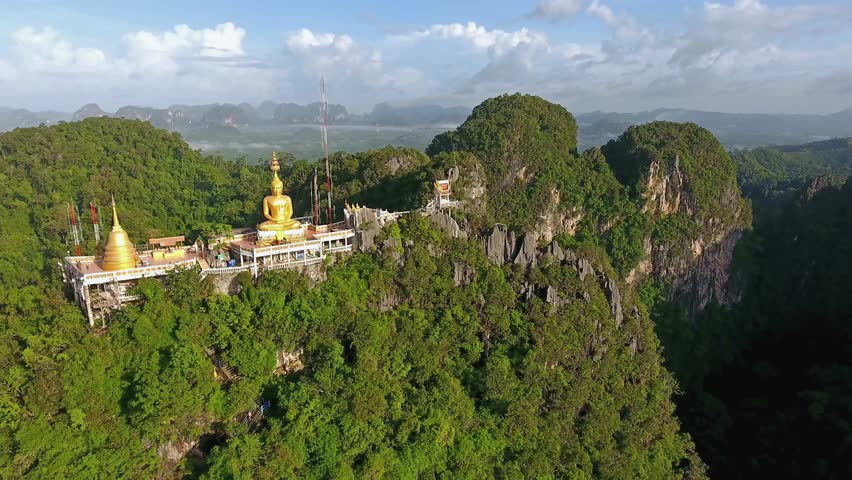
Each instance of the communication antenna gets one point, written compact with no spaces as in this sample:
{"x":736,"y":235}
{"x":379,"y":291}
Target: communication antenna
{"x":315,"y":198}
{"x":79,"y":219}
{"x":324,"y":119}
{"x":95,"y":225}
{"x":72,"y":224}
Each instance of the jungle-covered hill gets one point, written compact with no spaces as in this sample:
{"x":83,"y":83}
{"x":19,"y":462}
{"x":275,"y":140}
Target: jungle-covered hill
{"x":524,"y":350}
{"x":423,"y":359}
{"x":773,"y":165}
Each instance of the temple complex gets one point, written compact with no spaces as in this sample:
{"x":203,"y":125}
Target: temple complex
{"x":102,"y":284}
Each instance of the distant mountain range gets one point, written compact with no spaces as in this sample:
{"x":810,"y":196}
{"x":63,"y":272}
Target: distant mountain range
{"x":734,"y":130}
{"x":182,"y":117}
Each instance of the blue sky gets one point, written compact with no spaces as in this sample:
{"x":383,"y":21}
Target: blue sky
{"x":778,"y":56}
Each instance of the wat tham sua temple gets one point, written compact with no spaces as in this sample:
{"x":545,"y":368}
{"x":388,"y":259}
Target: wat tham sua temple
{"x":104,"y":283}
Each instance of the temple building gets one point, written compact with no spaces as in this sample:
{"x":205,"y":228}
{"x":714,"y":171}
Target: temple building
{"x":102,"y":284}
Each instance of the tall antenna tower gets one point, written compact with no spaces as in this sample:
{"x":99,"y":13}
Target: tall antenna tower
{"x":72,"y":224}
{"x":315,"y":198}
{"x":324,"y":118}
{"x":97,"y":228}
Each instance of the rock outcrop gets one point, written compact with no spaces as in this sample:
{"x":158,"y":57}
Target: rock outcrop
{"x":527,"y":254}
{"x":367,"y":228}
{"x":696,"y":266}
{"x":503,"y":247}
{"x":686,"y":182}
{"x":446,"y":224}
{"x":287,"y":362}
{"x":816,"y":185}
{"x":463,"y":274}
{"x":664,"y":193}
{"x":555,"y":219}
{"x":613,"y":296}
{"x":175,"y":451}
{"x":500,"y":245}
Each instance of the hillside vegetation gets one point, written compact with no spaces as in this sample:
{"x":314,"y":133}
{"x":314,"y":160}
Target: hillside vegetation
{"x":773,"y":369}
{"x":161,"y":185}
{"x":531,"y":350}
{"x":409,"y":372}
{"x":772,"y":167}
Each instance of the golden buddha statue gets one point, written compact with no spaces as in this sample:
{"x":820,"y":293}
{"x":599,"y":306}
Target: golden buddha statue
{"x":119,"y":253}
{"x":278,"y":208}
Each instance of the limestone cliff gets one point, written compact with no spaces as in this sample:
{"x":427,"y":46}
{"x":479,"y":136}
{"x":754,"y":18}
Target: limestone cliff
{"x":684,"y":181}
{"x":662,"y":199}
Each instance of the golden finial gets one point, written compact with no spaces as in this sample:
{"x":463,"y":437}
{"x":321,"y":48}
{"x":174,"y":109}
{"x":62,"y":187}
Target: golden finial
{"x":274,"y":165}
{"x":115,"y":223}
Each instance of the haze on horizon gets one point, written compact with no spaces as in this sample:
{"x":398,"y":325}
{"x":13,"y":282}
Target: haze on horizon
{"x":770,"y":56}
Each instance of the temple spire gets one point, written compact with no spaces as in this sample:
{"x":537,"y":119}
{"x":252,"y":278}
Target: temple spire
{"x":119,"y":253}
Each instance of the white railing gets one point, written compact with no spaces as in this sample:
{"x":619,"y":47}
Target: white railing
{"x":88,"y":258}
{"x":329,"y":227}
{"x":285,"y":248}
{"x":293,"y":263}
{"x":335,"y":234}
{"x":109,"y":300}
{"x":134,"y":273}
{"x":214,"y":271}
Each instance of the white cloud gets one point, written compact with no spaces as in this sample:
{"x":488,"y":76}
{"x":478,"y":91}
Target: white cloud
{"x":223,"y":41}
{"x":181,"y":65}
{"x":340,"y":56}
{"x":626,"y":27}
{"x":495,"y":41}
{"x":748,"y":33}
{"x":168,"y":51}
{"x":512,"y":55}
{"x":44,"y":51}
{"x":304,"y":40}
{"x":732,"y":55}
{"x":752,"y":14}
{"x":557,"y":9}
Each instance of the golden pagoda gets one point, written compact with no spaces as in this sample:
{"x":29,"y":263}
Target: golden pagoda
{"x":119,"y":253}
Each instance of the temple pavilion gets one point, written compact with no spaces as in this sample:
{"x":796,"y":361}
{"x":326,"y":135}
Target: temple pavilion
{"x":104,"y":283}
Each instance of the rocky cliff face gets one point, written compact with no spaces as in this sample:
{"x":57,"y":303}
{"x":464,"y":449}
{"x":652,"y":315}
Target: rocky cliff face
{"x":695,"y":265}
{"x":664,"y":189}
{"x":502,"y":247}
{"x":684,"y":181}
{"x":662,"y":199}
{"x":695,"y":276}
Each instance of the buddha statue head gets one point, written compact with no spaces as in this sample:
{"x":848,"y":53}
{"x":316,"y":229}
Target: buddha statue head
{"x":277,"y":185}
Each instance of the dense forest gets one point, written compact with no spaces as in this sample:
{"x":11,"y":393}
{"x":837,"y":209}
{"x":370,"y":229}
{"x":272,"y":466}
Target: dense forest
{"x":426,"y":357}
